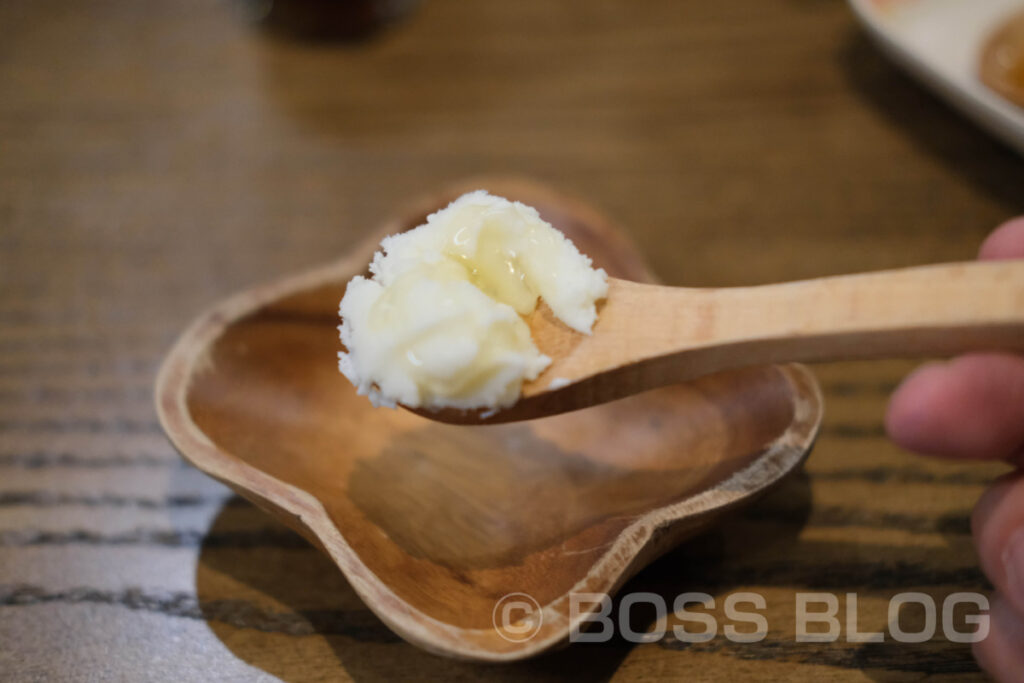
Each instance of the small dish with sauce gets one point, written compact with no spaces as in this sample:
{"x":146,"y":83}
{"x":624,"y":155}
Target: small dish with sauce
{"x":970,"y":52}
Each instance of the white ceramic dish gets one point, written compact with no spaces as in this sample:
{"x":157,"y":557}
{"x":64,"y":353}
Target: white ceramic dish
{"x":940,"y":42}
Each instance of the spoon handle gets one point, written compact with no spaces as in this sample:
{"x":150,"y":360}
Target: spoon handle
{"x":647,"y":336}
{"x":931,"y":310}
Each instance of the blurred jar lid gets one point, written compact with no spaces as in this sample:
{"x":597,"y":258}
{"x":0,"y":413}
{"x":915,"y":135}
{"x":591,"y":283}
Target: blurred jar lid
{"x":325,"y":19}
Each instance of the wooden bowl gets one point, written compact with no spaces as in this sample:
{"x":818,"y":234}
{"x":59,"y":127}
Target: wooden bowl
{"x":433,"y":524}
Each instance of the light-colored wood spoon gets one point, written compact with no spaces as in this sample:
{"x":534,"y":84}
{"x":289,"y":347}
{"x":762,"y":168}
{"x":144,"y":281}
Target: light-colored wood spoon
{"x":433,"y":524}
{"x":649,"y":335}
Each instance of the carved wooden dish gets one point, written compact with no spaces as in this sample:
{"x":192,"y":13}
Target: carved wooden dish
{"x":433,"y":524}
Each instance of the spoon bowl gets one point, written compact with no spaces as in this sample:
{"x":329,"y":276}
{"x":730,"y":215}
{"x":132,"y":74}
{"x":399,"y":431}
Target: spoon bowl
{"x":434,"y":524}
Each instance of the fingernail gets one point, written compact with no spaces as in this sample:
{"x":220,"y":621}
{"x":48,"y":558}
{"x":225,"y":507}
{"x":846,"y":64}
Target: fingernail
{"x":1013,"y":564}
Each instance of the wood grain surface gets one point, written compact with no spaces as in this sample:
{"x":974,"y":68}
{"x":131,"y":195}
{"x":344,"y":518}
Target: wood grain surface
{"x":155,"y":157}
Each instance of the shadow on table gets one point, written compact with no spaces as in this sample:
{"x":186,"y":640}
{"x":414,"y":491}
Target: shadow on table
{"x":934,"y":126}
{"x":282,"y":606}
{"x":762,"y":550}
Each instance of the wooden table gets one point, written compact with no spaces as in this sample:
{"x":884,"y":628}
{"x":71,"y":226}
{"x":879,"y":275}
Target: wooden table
{"x":155,"y":157}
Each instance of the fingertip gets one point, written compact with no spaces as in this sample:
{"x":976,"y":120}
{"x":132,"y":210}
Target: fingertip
{"x":997,"y":525}
{"x":970,"y":407}
{"x":1005,"y":242}
{"x":999,"y":654}
{"x":910,"y":419}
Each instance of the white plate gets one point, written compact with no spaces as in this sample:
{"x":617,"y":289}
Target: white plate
{"x":940,"y":42}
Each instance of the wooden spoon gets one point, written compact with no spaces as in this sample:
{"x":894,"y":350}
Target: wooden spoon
{"x":433,"y":524}
{"x":649,"y":335}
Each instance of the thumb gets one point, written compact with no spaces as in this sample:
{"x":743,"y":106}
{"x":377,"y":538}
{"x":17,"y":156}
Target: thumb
{"x":1006,"y":242}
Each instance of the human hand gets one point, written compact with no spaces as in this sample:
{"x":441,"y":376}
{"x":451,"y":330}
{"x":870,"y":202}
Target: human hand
{"x":972,"y":407}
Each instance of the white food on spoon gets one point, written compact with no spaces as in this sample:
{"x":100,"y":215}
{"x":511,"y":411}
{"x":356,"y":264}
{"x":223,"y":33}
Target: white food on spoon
{"x":438,"y":324}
